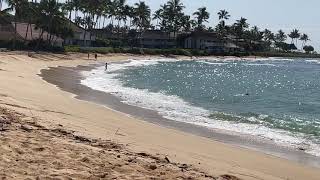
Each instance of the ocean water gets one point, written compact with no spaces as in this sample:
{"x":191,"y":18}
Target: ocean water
{"x":272,"y":99}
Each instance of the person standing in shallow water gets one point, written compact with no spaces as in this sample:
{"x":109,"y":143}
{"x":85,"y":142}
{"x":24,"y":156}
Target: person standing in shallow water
{"x":106,"y":66}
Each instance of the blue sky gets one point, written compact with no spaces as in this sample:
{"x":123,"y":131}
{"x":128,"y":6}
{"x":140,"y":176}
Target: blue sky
{"x":271,"y":14}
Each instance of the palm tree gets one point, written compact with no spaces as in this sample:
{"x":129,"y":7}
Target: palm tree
{"x":280,"y":36}
{"x":294,"y":35}
{"x":142,"y":17}
{"x":187,"y":23}
{"x":242,"y":22}
{"x":268,"y":36}
{"x":112,"y":11}
{"x":158,"y":14}
{"x":50,"y":18}
{"x":29,"y":11}
{"x":119,"y":11}
{"x":223,"y":15}
{"x":174,"y":12}
{"x":255,"y":34}
{"x":202,"y":16}
{"x":18,"y":7}
{"x":77,"y":6}
{"x":304,"y":38}
{"x":126,"y":13}
{"x":68,"y":6}
{"x":240,"y":26}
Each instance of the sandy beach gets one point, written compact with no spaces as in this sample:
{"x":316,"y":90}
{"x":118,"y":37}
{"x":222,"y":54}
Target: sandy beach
{"x":68,"y":137}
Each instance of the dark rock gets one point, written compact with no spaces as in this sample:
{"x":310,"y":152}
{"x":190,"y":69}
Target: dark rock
{"x":104,"y":175}
{"x":82,"y":139}
{"x":229,"y":177}
{"x":85,"y":159}
{"x":4,"y":120}
{"x":167,"y":159}
{"x":26,"y":128}
{"x":143,"y":154}
{"x":40,"y":149}
{"x":153,"y":167}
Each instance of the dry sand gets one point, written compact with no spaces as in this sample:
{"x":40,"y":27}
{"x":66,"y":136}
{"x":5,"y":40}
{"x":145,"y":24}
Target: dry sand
{"x":55,"y":135}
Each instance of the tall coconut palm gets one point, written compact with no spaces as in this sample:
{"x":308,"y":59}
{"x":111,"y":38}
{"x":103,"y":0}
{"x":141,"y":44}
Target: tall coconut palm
{"x":126,"y":14}
{"x":175,"y":14}
{"x":187,"y":23}
{"x":294,"y":35}
{"x":255,"y":34}
{"x":304,"y":38}
{"x":268,"y":35}
{"x":49,"y":18}
{"x":29,"y":12}
{"x":280,"y":36}
{"x":202,"y":16}
{"x":223,"y":16}
{"x":242,"y":23}
{"x":240,"y":26}
{"x":112,"y":11}
{"x":68,"y":6}
{"x":142,"y":18}
{"x":77,"y":6}
{"x":158,"y":14}
{"x":17,"y":6}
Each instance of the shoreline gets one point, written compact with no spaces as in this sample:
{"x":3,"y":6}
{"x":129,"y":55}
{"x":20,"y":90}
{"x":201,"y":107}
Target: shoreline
{"x":82,"y":92}
{"x":27,"y":93}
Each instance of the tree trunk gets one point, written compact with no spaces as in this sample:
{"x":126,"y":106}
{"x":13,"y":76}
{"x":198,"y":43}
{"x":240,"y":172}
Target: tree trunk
{"x":85,"y":33}
{"x":15,"y":33}
{"x":25,"y":38}
{"x":104,"y":20}
{"x":70,"y":17}
{"x":84,"y":39}
{"x":31,"y":31}
{"x":39,"y":40}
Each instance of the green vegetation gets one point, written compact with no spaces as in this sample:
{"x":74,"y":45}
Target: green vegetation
{"x":106,"y":50}
{"x":130,"y":22}
{"x":182,"y":52}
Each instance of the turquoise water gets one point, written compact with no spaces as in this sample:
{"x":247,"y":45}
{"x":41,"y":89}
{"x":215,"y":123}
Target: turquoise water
{"x":274,"y":99}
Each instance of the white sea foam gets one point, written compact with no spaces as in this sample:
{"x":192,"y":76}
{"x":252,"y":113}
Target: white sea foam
{"x":314,"y":61}
{"x":226,"y":62}
{"x":175,"y":108}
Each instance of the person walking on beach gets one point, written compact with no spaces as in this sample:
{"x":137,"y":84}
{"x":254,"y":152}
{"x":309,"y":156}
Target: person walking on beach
{"x":88,"y":56}
{"x":96,"y":56}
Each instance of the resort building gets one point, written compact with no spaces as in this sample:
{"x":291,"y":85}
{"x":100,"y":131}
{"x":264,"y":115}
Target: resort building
{"x":29,"y":32}
{"x":6,"y":30}
{"x":157,"y":39}
{"x":25,"y":32}
{"x":154,"y":39}
{"x":81,"y":37}
{"x":209,"y":41}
